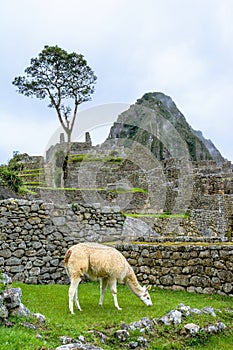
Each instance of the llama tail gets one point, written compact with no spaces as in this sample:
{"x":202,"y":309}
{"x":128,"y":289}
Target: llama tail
{"x":66,"y":260}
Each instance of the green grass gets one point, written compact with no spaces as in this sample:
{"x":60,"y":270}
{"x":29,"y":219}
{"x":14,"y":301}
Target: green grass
{"x":68,"y":188}
{"x":158,"y":215}
{"x":17,"y":338}
{"x":131,"y":190}
{"x":52,"y":301}
{"x":30,"y":174}
{"x":74,"y":158}
{"x":38,"y":170}
{"x":34,"y":183}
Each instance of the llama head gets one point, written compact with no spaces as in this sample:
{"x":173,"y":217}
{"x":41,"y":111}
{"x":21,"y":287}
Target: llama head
{"x":145,"y":296}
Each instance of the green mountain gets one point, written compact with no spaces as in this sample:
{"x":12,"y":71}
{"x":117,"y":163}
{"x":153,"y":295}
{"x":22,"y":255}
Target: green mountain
{"x":155,"y":122}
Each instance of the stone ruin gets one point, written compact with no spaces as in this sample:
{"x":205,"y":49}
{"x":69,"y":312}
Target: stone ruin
{"x":204,"y":206}
{"x":152,"y":163}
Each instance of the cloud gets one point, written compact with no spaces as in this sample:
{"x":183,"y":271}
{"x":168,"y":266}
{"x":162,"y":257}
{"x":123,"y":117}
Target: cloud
{"x":177,"y":67}
{"x":223,"y":18}
{"x":182,"y":48}
{"x":26,"y":137}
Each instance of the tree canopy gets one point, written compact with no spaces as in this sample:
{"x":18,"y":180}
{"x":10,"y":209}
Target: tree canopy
{"x":64,"y":78}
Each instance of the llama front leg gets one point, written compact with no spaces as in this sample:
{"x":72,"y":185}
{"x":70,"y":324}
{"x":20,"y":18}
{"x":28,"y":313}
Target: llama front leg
{"x":103,"y":287}
{"x":113,"y":288}
{"x":73,"y":292}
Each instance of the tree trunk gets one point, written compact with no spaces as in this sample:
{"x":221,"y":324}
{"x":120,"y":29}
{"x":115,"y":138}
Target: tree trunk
{"x":68,"y":132}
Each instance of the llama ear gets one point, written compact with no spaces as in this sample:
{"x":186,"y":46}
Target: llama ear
{"x":148,"y":288}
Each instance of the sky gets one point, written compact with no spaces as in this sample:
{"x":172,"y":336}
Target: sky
{"x":183,"y":48}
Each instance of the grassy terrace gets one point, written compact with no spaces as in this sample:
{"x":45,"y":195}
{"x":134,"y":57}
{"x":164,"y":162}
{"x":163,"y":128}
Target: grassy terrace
{"x":52,"y":301}
{"x":31,"y":172}
{"x":173,"y":242}
{"x":131,"y":190}
{"x":158,"y":215}
{"x":74,"y":158}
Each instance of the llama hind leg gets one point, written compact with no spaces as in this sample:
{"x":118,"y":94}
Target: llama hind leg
{"x":73,"y":292}
{"x":103,"y":286}
{"x":76,"y":300}
{"x":113,"y":288}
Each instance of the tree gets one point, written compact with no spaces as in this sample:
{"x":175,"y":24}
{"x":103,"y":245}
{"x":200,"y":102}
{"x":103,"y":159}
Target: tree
{"x":65,"y":78}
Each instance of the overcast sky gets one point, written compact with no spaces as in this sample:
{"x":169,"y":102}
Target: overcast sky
{"x":183,"y":48}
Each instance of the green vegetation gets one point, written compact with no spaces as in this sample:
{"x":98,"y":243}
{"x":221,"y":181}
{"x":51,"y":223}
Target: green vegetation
{"x":9,"y":174}
{"x":133,"y":189}
{"x":170,"y":242}
{"x":15,"y":177}
{"x":31,"y":173}
{"x":130,"y":190}
{"x":160,"y":216}
{"x":28,"y":172}
{"x":15,"y":163}
{"x":69,"y":189}
{"x":52,"y":301}
{"x":2,"y":286}
{"x":86,"y":157}
{"x":9,"y":178}
{"x":18,"y":338}
{"x":34,"y":183}
{"x":32,"y":178}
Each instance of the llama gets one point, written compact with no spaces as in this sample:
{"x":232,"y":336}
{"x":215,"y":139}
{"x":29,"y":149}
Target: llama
{"x":104,"y":263}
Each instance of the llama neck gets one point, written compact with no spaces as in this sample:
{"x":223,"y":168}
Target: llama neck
{"x":132,"y":282}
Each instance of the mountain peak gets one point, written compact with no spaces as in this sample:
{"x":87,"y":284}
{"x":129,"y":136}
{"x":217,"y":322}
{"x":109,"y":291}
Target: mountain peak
{"x":162,"y":108}
{"x":156,"y":97}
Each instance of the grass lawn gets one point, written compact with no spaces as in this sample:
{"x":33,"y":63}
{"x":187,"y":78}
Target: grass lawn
{"x":52,"y":301}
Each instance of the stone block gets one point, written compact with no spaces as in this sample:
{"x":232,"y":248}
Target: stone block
{"x":35,"y":271}
{"x":17,"y":269}
{"x":167,"y":280}
{"x":13,"y":261}
{"x":200,"y":281}
{"x":6,"y":253}
{"x":226,"y":276}
{"x":182,"y":280}
{"x":12,"y":297}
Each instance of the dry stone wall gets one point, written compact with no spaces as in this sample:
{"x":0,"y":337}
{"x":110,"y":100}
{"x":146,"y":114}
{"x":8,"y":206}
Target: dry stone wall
{"x":200,"y":267}
{"x":35,"y":235}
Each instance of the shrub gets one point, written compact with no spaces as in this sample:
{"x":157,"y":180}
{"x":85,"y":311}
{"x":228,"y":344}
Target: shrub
{"x":10,"y":179}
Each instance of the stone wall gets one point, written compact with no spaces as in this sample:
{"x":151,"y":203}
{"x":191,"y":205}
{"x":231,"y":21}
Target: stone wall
{"x":35,"y":235}
{"x":200,"y":267}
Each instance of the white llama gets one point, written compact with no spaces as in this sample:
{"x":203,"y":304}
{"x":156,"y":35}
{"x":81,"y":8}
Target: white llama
{"x":101,"y":262}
